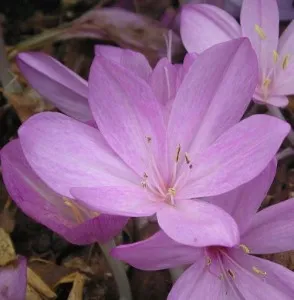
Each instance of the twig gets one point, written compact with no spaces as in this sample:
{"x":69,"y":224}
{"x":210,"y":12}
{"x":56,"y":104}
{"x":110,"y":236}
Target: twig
{"x":285,"y":153}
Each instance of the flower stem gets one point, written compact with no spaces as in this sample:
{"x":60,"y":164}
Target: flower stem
{"x":118,"y":271}
{"x":285,"y":153}
{"x":275,"y":111}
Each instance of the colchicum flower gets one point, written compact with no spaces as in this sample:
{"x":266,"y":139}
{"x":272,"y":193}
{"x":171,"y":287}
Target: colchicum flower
{"x":231,"y":273}
{"x":13,"y":280}
{"x":203,"y":26}
{"x":136,"y":165}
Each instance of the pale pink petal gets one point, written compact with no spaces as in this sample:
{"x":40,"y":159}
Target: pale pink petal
{"x":284,"y":82}
{"x":272,"y":229}
{"x":213,"y":95}
{"x":198,"y":283}
{"x":157,"y":253}
{"x":124,"y":201}
{"x":203,"y":26}
{"x":279,"y":101}
{"x":66,"y":153}
{"x":183,"y":70}
{"x":286,"y":41}
{"x":198,"y":223}
{"x":243,"y":202}
{"x":76,"y":224}
{"x":13,"y":280}
{"x":131,"y":60}
{"x":277,"y":276}
{"x":246,"y":282}
{"x":128,"y":115}
{"x":58,"y":84}
{"x":236,"y":157}
{"x":163,"y":81}
{"x":260,"y":23}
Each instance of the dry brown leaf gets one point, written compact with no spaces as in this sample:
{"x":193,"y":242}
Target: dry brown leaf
{"x":32,"y":294}
{"x":76,"y":292}
{"x":7,"y":253}
{"x":67,"y":279}
{"x":28,"y":104}
{"x":39,"y":285}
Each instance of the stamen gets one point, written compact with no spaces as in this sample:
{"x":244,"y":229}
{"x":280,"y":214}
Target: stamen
{"x":178,"y":153}
{"x":260,"y":32}
{"x":266,"y":82}
{"x":188,"y":160}
{"x":258,"y":271}
{"x":167,"y":82}
{"x":275,"y":56}
{"x":172,"y":191}
{"x":75,"y":210}
{"x":221,"y":276}
{"x":144,"y":181}
{"x":231,"y":273}
{"x":244,"y":248}
{"x":285,"y":62}
{"x":208,"y":261}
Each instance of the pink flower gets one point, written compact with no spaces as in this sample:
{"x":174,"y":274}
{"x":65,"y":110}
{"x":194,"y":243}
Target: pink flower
{"x":141,"y":163}
{"x":13,"y":280}
{"x":63,"y":215}
{"x":204,"y":25}
{"x":231,"y":273}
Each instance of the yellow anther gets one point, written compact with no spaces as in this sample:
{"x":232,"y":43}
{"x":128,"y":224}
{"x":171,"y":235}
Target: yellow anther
{"x":172,"y":191}
{"x":285,"y":62}
{"x":258,"y":271}
{"x":275,"y":56}
{"x":244,"y":248}
{"x":208,"y":261}
{"x":260,"y":32}
{"x":178,"y":153}
{"x":266,"y":82}
{"x":149,"y":139}
{"x":231,"y":273}
{"x":75,"y":210}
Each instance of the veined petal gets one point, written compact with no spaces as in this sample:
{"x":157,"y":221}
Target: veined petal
{"x":128,"y":115}
{"x":117,"y":200}
{"x":157,"y":253}
{"x":203,"y":26}
{"x":260,"y":23}
{"x":242,"y":277}
{"x":13,"y":280}
{"x":58,"y":84}
{"x":207,"y":100}
{"x":131,"y":60}
{"x":198,"y":283}
{"x":62,"y":215}
{"x":236,"y":157}
{"x":266,"y":274}
{"x":243,"y":202}
{"x":66,"y":153}
{"x":198,"y":223}
{"x":272,"y":229}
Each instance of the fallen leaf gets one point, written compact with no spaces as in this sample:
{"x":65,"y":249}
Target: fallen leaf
{"x":76,"y":292}
{"x":7,"y":253}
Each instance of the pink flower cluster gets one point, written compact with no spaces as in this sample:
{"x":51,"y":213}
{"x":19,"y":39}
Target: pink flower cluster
{"x":168,"y":142}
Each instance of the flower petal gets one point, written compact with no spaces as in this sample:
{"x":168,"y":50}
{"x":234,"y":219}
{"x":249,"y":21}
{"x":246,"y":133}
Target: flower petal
{"x":276,"y":276}
{"x":163,"y":81}
{"x":157,"y":253}
{"x":13,"y":280}
{"x":58,"y":84}
{"x":243,"y":202}
{"x":124,"y":201}
{"x":198,"y":283}
{"x":272,"y":229}
{"x":45,"y":206}
{"x":131,"y":60}
{"x":260,"y":23}
{"x":279,"y":101}
{"x":198,"y":223}
{"x":236,"y":157}
{"x":128,"y":114}
{"x":207,"y":100}
{"x":66,"y":153}
{"x":203,"y":26}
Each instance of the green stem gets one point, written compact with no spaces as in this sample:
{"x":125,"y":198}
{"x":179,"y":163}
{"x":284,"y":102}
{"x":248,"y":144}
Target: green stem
{"x":118,"y":271}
